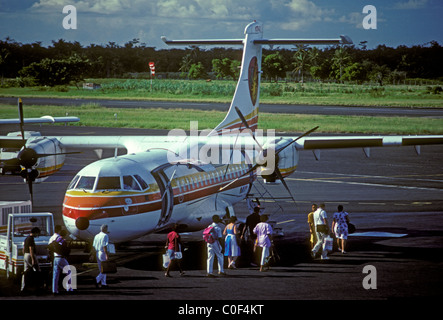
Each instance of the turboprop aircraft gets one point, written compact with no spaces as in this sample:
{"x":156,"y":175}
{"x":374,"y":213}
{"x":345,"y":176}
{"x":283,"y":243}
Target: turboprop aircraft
{"x":186,"y":179}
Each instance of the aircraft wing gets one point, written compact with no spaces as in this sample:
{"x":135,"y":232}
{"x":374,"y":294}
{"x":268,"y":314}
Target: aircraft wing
{"x":131,"y":143}
{"x":312,"y":143}
{"x":365,"y":142}
{"x":142,"y":143}
{"x":44,"y":119}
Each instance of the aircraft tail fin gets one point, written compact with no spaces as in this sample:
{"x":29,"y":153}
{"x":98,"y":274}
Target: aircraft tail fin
{"x":245,"y":103}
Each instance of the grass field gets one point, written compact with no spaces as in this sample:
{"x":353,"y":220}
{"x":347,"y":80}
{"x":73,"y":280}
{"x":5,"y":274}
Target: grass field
{"x":95,"y":115}
{"x":222,"y":91}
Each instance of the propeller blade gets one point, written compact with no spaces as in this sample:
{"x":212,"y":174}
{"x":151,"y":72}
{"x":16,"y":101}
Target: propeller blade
{"x":20,"y":114}
{"x":235,"y":180}
{"x":303,"y":135}
{"x":245,"y":123}
{"x":280,"y":176}
{"x":29,"y":181}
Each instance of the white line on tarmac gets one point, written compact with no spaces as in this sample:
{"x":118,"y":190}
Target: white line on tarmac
{"x":367,"y":184}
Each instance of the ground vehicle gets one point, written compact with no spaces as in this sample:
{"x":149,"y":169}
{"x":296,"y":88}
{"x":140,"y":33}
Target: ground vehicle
{"x":11,"y":241}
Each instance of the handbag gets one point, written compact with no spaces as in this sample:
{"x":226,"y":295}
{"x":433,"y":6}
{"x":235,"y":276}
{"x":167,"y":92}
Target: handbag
{"x":351,"y":228}
{"x":178,"y":255}
{"x":108,"y":267}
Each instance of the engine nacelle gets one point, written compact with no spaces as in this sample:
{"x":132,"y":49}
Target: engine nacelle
{"x":50,"y":155}
{"x":286,"y":160}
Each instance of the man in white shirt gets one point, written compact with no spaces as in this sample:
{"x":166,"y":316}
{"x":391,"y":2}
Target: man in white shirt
{"x":100,"y":244}
{"x":215,"y":249}
{"x":322,"y":230}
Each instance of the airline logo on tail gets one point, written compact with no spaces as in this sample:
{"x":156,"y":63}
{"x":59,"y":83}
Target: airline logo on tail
{"x":253,"y":80}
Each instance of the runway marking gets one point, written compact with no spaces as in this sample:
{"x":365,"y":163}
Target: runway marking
{"x":378,"y":234}
{"x":373,"y":203}
{"x":287,"y":221}
{"x":327,"y":180}
{"x":395,"y":177}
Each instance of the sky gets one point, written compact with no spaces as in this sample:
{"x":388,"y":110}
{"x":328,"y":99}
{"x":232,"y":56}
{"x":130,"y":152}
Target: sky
{"x":398,"y":22}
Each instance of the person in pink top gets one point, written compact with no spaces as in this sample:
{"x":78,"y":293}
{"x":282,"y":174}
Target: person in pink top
{"x":263,"y":230}
{"x":173,"y":244}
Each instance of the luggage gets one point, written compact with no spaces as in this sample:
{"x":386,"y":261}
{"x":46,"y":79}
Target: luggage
{"x":166,"y":260}
{"x":327,"y":243}
{"x":32,"y":280}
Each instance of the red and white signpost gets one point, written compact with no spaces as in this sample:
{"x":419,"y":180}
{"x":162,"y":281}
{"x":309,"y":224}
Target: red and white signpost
{"x":152,"y":67}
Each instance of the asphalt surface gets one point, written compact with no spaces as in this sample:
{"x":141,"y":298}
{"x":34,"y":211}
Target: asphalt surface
{"x":395,"y":192}
{"x":270,"y":108}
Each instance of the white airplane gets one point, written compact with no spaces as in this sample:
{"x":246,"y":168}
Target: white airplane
{"x":186,"y":179}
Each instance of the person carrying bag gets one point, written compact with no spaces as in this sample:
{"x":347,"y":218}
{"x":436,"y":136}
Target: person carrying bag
{"x":174,"y":254}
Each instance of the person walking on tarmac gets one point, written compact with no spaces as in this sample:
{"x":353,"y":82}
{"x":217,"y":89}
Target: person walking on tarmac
{"x":215,"y":248}
{"x":322,"y":230}
{"x":248,"y":236}
{"x":100,"y":244}
{"x":31,"y":266}
{"x":173,"y":247}
{"x":313,"y":239}
{"x":263,"y":230}
{"x":59,"y":248}
{"x":340,"y":227}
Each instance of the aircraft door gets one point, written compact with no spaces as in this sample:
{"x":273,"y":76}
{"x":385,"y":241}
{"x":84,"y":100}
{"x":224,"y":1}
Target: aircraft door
{"x":162,"y":177}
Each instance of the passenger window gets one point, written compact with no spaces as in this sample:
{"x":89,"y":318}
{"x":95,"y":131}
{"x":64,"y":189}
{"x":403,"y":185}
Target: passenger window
{"x":129,"y":183}
{"x":142,"y":182}
{"x":108,"y":183}
{"x":86,"y":183}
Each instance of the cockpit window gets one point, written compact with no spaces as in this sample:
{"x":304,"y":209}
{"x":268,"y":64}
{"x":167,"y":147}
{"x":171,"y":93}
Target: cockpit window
{"x":142,"y":182}
{"x":86,"y":183}
{"x":108,"y":183}
{"x":73,"y":182}
{"x":129,"y":183}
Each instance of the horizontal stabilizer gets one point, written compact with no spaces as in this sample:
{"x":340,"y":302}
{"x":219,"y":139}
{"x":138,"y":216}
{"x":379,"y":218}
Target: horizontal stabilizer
{"x":203,"y":42}
{"x":341,"y":40}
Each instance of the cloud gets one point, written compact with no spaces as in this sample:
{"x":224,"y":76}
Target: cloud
{"x":303,"y":13}
{"x":411,"y":4}
{"x":104,"y":7}
{"x":353,"y":18}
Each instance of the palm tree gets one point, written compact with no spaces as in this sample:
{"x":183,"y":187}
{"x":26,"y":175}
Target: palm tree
{"x":301,"y":58}
{"x":340,"y":60}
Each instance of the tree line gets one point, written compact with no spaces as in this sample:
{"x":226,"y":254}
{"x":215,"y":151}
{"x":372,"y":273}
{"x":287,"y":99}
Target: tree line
{"x":69,"y":62}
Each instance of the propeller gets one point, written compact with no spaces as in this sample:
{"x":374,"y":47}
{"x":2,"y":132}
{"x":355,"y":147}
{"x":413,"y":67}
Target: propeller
{"x":276,"y":169}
